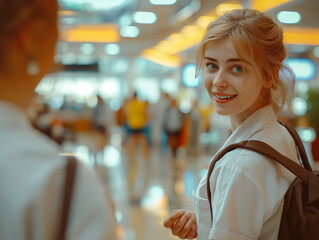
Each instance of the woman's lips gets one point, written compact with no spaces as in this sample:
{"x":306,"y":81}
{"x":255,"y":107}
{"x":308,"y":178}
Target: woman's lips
{"x":223,"y":98}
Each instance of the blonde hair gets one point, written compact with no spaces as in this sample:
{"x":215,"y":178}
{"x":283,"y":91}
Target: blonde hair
{"x":257,"y":35}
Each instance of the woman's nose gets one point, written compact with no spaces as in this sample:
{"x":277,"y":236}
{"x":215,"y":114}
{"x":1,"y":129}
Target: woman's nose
{"x":220,"y":80}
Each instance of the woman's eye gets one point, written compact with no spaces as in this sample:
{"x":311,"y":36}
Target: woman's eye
{"x":237,"y":69}
{"x":211,"y":66}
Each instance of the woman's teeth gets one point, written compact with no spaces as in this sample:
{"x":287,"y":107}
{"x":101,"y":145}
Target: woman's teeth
{"x":224,"y":97}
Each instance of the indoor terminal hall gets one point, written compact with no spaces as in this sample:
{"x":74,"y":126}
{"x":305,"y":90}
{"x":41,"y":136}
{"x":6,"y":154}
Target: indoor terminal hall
{"x":125,"y":98}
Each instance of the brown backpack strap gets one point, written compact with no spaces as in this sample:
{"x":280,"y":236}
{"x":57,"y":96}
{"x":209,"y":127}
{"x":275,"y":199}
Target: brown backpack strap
{"x":299,"y":144}
{"x":264,"y":149}
{"x":211,"y":168}
{"x":67,"y":197}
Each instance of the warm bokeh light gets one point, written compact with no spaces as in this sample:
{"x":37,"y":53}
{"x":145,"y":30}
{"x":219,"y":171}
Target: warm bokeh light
{"x":225,"y":7}
{"x":161,"y":58}
{"x":91,"y":33}
{"x":305,"y":36}
{"x":263,"y":5}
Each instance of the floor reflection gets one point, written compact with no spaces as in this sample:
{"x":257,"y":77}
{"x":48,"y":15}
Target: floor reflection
{"x":169,"y":185}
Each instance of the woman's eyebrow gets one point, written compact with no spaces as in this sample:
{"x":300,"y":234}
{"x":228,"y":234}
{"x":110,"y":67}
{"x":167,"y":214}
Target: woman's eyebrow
{"x":211,"y":59}
{"x":229,"y":60}
{"x":238,"y":60}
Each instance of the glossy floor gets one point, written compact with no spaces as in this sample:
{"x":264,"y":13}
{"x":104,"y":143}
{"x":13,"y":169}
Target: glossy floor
{"x":166,"y":184}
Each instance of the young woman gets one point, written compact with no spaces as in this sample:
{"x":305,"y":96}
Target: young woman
{"x":31,"y":171}
{"x":241,"y":59}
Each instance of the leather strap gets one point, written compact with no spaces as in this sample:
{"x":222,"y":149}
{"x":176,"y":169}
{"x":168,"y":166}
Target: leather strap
{"x":67,"y":197}
{"x":299,"y":144}
{"x":266,"y":150}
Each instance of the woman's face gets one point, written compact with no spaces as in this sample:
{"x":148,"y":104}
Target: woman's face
{"x":232,"y":84}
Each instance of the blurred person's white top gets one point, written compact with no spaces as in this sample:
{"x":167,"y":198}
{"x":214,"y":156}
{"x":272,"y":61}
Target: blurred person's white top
{"x":247,"y":188}
{"x":31,"y":186}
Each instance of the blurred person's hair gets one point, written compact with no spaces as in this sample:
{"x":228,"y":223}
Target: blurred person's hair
{"x":16,"y":14}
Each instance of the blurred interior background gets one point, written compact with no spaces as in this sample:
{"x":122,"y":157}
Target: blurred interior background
{"x":113,"y":48}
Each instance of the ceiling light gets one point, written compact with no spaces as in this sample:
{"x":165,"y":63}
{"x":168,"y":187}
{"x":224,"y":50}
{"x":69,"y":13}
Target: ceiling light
{"x":203,"y":21}
{"x":163,"y":2}
{"x":303,"y":36}
{"x":69,"y":58}
{"x":68,"y":20}
{"x":162,"y":58}
{"x":263,"y":5}
{"x":307,"y":134}
{"x":303,"y":68}
{"x":299,"y":106}
{"x":144,"y":17}
{"x":93,"y":5}
{"x":190,"y":30}
{"x":129,"y":31}
{"x":288,"y":17}
{"x":316,"y":52}
{"x":112,"y":49}
{"x":225,"y":7}
{"x":188,"y":11}
{"x":125,"y":20}
{"x":87,"y":48}
{"x":91,"y":33}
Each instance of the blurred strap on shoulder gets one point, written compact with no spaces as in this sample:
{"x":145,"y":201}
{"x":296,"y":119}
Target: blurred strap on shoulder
{"x":67,"y":197}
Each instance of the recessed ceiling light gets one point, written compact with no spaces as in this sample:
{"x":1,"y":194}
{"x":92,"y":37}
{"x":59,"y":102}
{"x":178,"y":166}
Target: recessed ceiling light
{"x":288,"y":17}
{"x":125,"y":20}
{"x":87,"y":48}
{"x":144,"y":17}
{"x":163,"y":2}
{"x":94,"y":5}
{"x":129,"y":31}
{"x":112,"y":49}
{"x":316,"y":52}
{"x":225,"y":7}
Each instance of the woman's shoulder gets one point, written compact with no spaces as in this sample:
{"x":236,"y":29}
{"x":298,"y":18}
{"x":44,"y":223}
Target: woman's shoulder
{"x":245,"y":162}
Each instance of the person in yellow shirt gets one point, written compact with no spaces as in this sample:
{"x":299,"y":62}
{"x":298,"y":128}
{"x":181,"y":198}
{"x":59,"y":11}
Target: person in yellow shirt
{"x":136,"y":120}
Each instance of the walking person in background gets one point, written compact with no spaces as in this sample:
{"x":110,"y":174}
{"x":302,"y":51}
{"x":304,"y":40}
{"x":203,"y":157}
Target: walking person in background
{"x":31,"y":171}
{"x":102,"y":115}
{"x":241,"y":58}
{"x":136,"y":120}
{"x":158,"y":116}
{"x":173,"y":125}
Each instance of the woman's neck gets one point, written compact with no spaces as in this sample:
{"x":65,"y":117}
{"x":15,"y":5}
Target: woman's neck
{"x":11,"y":90}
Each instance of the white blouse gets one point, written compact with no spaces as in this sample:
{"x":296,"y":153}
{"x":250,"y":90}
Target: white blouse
{"x":247,"y":188}
{"x":31,"y":186}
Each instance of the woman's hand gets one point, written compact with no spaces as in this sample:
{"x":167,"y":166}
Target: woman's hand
{"x":182,"y":224}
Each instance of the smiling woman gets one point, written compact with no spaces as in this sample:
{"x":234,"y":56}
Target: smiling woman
{"x":241,"y":59}
{"x":230,"y":80}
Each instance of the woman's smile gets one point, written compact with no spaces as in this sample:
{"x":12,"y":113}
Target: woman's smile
{"x":223,"y":98}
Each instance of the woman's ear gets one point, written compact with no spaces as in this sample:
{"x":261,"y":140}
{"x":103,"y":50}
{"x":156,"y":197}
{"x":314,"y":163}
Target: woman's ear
{"x":24,"y":38}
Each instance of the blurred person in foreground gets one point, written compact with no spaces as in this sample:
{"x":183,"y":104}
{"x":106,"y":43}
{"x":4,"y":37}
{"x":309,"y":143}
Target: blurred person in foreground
{"x":31,"y":171}
{"x":241,"y":58}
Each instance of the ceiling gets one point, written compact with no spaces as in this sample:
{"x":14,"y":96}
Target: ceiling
{"x":170,"y":19}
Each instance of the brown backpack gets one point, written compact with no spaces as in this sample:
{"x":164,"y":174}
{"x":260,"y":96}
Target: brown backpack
{"x":300,"y":216}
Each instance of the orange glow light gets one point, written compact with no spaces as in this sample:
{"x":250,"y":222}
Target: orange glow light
{"x":306,"y":36}
{"x":263,"y":5}
{"x":161,"y":58}
{"x":91,"y":33}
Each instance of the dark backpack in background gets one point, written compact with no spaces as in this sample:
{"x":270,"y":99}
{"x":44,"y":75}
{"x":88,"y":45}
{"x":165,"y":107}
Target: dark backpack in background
{"x":300,"y":216}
